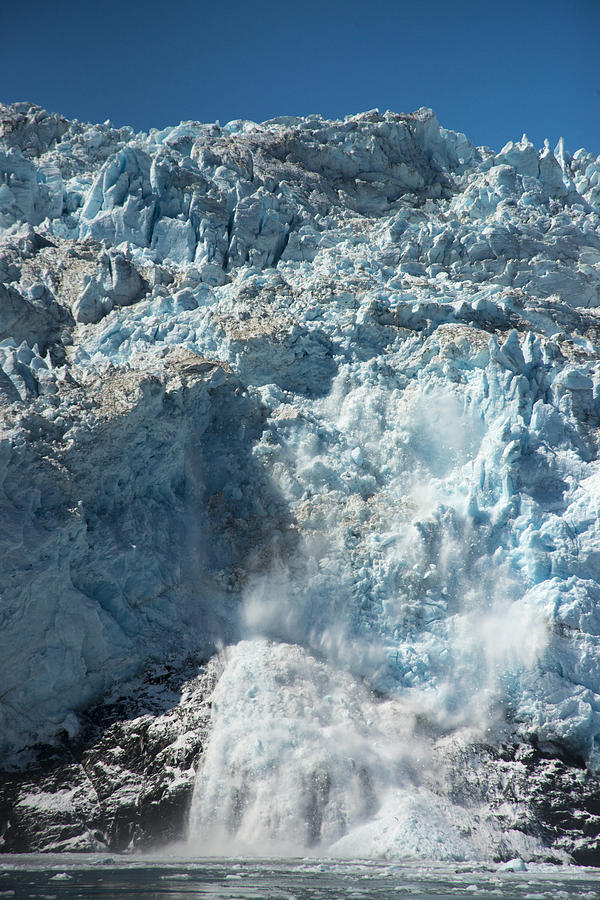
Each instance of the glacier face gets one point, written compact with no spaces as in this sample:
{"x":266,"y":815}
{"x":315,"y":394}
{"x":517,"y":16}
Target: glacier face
{"x":326,"y":394}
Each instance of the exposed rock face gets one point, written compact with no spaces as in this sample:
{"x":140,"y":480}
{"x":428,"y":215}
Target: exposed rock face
{"x":126,"y":781}
{"x":333,"y":385}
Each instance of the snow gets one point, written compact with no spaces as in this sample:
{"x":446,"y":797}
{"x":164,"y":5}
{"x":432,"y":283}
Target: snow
{"x":380,"y":453}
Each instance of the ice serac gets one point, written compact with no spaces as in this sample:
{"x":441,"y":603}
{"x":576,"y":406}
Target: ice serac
{"x":306,"y":412}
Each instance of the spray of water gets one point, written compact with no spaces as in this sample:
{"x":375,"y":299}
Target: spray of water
{"x":329,"y":715}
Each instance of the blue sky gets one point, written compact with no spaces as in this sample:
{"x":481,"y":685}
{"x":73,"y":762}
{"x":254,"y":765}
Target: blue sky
{"x":490,"y":69}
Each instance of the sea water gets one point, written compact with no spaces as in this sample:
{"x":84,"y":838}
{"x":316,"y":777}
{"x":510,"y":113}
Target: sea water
{"x":68,"y":876}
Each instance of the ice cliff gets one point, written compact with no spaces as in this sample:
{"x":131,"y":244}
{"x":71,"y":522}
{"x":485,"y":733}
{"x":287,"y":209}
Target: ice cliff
{"x":317,"y":403}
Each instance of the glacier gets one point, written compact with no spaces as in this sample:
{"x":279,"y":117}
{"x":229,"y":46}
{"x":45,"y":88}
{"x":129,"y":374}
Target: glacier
{"x":317,"y":404}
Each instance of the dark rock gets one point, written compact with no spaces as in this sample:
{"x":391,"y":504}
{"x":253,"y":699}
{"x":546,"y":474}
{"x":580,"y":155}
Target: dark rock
{"x":125,"y":781}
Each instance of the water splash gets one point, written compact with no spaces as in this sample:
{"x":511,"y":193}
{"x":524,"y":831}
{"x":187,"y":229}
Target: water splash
{"x":358,"y":660}
{"x":305,"y":759}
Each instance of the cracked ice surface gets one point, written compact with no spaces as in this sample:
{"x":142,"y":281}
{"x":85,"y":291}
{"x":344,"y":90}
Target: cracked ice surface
{"x":394,"y":465}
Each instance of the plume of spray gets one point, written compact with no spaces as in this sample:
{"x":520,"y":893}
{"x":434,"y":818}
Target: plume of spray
{"x":327,"y":722}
